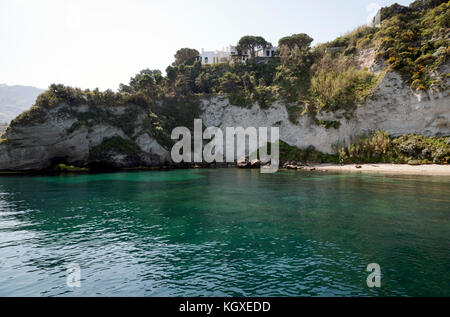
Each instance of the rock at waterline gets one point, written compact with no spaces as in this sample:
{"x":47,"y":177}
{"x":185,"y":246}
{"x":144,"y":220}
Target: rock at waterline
{"x":243,"y":163}
{"x":255,"y":163}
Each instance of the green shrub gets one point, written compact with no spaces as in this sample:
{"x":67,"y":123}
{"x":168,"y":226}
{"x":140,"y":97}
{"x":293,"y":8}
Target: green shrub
{"x":240,"y":99}
{"x":75,"y":126}
{"x":265,"y":95}
{"x":115,"y":144}
{"x":379,"y":147}
{"x":35,"y":115}
{"x":408,"y":41}
{"x":373,"y":148}
{"x":230,"y":83}
{"x":308,"y":155}
{"x":328,"y":124}
{"x":335,"y":90}
{"x":410,"y":147}
{"x":63,"y":168}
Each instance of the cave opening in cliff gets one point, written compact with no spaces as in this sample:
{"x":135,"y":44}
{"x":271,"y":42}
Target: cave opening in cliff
{"x":101,"y":167}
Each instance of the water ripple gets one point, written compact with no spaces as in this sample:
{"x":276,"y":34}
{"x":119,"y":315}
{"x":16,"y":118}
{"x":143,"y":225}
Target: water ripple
{"x":224,"y":233}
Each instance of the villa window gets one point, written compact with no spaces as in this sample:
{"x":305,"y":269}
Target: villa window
{"x":267,"y":53}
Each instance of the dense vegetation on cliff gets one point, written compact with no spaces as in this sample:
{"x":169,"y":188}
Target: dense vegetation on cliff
{"x":412,"y":40}
{"x":327,"y":77}
{"x":377,"y":147}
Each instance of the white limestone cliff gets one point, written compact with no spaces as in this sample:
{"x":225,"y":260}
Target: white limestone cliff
{"x":393,"y":107}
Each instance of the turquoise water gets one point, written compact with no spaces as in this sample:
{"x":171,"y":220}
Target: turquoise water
{"x":224,"y":232}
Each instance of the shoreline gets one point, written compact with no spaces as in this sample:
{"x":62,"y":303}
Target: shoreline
{"x":385,"y":168}
{"x":398,"y":169}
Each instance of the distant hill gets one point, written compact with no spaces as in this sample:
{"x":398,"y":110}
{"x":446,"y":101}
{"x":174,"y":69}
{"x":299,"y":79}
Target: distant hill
{"x":16,"y":99}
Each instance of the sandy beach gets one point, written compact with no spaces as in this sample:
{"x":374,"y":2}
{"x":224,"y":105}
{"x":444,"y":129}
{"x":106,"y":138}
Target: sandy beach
{"x":404,"y":169}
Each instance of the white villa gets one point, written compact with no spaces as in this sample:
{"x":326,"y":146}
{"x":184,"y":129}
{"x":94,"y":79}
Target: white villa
{"x":267,"y":52}
{"x":230,"y":53}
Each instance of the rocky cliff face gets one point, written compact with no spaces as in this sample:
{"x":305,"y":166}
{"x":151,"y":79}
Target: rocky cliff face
{"x":392,"y":107}
{"x":122,"y":136}
{"x":68,"y":135}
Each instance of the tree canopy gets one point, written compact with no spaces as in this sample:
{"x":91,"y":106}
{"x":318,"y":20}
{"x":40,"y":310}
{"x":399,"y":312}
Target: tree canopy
{"x":145,"y":80}
{"x":426,"y":4}
{"x":252,"y":43}
{"x":186,"y":56}
{"x":302,"y":41}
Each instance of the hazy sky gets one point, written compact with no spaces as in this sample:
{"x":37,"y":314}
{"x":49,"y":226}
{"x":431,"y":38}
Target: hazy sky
{"x":101,"y":43}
